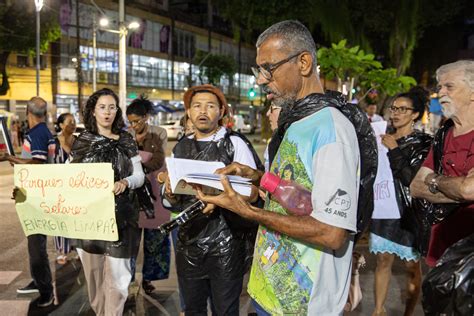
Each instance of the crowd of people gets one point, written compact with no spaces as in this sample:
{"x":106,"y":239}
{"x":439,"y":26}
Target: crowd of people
{"x":287,"y":263}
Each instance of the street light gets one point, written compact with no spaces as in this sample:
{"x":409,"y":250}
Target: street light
{"x":39,"y":6}
{"x":123,"y":31}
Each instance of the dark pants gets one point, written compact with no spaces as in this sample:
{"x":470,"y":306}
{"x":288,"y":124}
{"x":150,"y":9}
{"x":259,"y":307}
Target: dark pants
{"x":39,"y":264}
{"x":224,"y":295}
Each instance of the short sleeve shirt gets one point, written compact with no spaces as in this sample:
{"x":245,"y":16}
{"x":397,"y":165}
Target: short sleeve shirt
{"x":458,"y":160}
{"x":39,"y":144}
{"x":321,"y":153}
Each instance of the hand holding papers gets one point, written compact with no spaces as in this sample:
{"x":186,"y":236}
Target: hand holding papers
{"x":183,"y":172}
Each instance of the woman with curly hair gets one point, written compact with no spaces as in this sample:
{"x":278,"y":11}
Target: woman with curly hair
{"x":390,"y":238}
{"x":106,"y":264}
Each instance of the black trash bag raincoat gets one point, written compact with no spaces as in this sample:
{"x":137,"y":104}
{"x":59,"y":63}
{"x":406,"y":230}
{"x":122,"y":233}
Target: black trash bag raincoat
{"x":94,"y":148}
{"x":219,"y":245}
{"x":448,"y":288}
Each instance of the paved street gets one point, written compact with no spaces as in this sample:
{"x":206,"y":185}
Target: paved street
{"x":71,"y":294}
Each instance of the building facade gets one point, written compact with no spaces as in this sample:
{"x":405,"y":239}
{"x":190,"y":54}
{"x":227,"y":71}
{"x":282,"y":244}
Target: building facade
{"x":160,"y":58}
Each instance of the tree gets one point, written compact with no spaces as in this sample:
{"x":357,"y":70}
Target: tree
{"x":341,"y":62}
{"x":18,"y":33}
{"x":214,"y":66}
{"x":389,"y":29}
{"x":387,"y":81}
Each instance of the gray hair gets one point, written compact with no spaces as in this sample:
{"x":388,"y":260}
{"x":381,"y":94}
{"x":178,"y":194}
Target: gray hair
{"x":466,"y":65}
{"x":295,"y":37}
{"x":37,"y":106}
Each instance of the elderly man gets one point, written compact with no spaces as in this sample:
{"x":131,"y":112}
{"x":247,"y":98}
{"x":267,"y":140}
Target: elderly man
{"x":38,"y":147}
{"x":301,"y":264}
{"x":447,"y":173}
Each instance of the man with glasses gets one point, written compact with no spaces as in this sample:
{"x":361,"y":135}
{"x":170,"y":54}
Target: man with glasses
{"x":39,"y":147}
{"x":308,"y":272}
{"x":447,"y":175}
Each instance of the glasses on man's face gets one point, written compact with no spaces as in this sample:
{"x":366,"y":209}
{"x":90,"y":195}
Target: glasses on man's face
{"x":274,"y":108}
{"x":400,"y":109}
{"x":267,"y":69}
{"x":105,"y":108}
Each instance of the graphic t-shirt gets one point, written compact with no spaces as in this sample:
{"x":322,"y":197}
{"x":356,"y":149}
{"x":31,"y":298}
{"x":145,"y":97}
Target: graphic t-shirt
{"x":290,"y":277}
{"x":39,"y":144}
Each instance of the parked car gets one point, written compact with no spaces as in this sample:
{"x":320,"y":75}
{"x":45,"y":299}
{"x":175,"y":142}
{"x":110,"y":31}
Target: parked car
{"x":173,"y":129}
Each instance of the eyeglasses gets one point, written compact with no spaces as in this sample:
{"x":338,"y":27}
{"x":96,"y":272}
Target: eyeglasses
{"x":274,"y":108}
{"x":136,"y":122}
{"x":401,"y":109}
{"x":267,"y":69}
{"x":110,"y":108}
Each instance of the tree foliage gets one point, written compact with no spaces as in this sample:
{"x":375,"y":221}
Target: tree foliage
{"x":340,"y":61}
{"x":389,"y":29}
{"x":360,"y":69}
{"x":18,"y":32}
{"x":387,"y":81}
{"x":214,"y":66}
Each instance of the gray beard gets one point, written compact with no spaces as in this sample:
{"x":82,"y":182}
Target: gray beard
{"x":285,"y":103}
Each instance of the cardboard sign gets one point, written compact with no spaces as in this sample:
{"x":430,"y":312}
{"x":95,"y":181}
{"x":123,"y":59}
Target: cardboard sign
{"x":69,"y":200}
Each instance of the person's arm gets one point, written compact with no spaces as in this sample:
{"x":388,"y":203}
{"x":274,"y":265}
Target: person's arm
{"x":20,"y":161}
{"x":456,"y":188}
{"x":304,"y":228}
{"x":137,"y":178}
{"x":419,"y":187}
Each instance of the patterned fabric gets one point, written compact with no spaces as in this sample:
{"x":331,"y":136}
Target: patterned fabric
{"x":292,"y":277}
{"x":156,"y":260}
{"x":379,"y":244}
{"x":62,"y":244}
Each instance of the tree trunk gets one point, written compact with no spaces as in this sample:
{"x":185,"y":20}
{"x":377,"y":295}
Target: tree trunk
{"x":5,"y":86}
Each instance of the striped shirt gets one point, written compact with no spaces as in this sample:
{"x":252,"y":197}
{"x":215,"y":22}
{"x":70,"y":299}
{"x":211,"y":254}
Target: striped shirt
{"x":39,"y":144}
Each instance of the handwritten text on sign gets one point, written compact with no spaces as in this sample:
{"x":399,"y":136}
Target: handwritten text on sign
{"x":70,"y":200}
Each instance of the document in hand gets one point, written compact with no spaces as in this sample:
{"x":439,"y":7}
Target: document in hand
{"x":183,"y":172}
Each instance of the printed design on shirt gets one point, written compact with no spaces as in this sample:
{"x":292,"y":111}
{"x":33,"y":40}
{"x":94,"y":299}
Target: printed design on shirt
{"x":282,"y":279}
{"x":338,"y":203}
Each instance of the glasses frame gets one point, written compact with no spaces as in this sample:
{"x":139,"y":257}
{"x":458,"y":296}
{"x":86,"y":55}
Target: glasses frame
{"x":137,"y":122}
{"x":274,"y":108}
{"x":270,"y":68}
{"x":394,"y":109}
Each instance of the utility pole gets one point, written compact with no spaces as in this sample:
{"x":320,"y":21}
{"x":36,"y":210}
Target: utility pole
{"x":79,"y":61}
{"x":122,"y":57}
{"x":38,"y":5}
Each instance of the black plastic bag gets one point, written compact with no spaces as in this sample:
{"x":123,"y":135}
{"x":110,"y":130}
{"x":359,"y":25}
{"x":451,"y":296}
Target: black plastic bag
{"x":146,"y":199}
{"x":449,"y":287}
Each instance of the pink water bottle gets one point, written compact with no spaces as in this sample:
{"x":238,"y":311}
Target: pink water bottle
{"x":292,"y":196}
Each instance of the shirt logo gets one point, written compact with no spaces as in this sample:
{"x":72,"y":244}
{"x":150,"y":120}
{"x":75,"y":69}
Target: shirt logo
{"x":339,"y":200}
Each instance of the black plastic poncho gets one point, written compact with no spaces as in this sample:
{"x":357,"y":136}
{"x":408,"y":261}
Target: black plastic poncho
{"x":219,"y":245}
{"x":93,"y":148}
{"x":448,"y":289}
{"x":411,"y":229}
